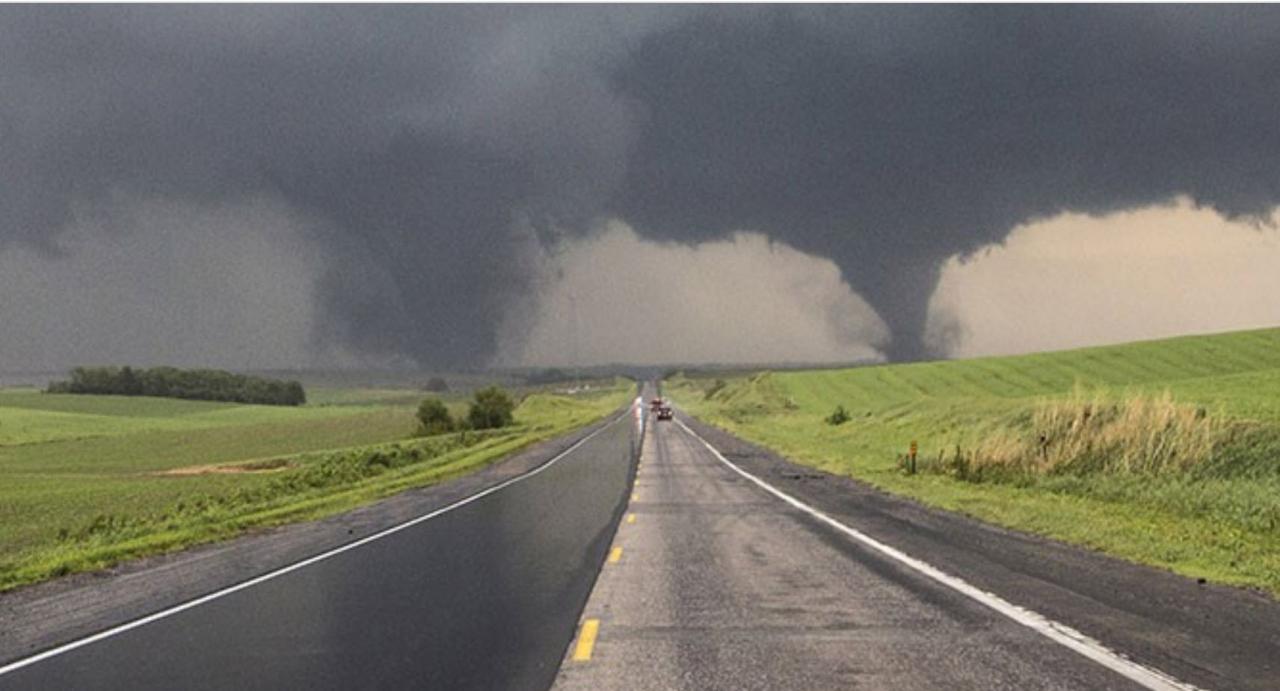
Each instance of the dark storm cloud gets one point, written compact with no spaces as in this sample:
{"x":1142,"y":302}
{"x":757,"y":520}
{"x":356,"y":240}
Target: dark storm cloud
{"x":421,"y":141}
{"x":889,"y":138}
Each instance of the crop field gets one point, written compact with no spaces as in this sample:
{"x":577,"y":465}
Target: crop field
{"x":28,"y":416}
{"x":1163,"y":452}
{"x":86,"y":481}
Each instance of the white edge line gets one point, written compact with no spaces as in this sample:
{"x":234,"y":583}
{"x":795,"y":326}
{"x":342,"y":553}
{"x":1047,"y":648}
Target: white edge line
{"x":1059,"y":633}
{"x":136,"y":623}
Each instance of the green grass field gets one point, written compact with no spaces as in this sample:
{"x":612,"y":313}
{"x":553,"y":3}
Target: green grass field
{"x":86,"y":481}
{"x":1163,"y":452}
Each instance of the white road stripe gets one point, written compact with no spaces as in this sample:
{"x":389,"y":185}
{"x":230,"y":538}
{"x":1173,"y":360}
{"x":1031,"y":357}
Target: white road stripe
{"x":128,"y":626}
{"x":1059,"y":633}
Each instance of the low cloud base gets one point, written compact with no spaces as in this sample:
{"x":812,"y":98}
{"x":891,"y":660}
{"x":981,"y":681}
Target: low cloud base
{"x":614,"y":297}
{"x":1079,"y":280}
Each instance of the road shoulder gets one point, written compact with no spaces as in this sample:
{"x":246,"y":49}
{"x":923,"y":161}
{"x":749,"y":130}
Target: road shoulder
{"x":41,"y":616}
{"x":1211,"y":636}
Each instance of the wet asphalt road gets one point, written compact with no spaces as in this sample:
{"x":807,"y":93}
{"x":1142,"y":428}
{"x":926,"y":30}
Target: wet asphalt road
{"x":710,"y":583}
{"x":719,"y":585}
{"x":485,"y":596}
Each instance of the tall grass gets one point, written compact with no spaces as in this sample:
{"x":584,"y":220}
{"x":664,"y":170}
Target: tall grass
{"x":1089,"y":433}
{"x":1164,"y":452}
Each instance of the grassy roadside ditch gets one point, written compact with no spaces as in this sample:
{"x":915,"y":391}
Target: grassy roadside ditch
{"x":1165,"y":453}
{"x":153,"y":511}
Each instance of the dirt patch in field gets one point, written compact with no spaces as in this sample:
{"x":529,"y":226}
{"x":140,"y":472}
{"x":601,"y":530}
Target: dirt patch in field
{"x":273,"y":465}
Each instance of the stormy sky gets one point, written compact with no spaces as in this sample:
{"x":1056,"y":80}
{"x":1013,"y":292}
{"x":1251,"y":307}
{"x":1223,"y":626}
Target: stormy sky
{"x":256,"y":186}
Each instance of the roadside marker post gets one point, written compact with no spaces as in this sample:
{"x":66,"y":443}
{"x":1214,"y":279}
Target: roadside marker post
{"x":911,"y":465}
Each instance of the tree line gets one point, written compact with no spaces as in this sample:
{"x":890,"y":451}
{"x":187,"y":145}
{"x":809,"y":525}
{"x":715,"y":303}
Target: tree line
{"x":490,"y":408}
{"x":171,"y":382}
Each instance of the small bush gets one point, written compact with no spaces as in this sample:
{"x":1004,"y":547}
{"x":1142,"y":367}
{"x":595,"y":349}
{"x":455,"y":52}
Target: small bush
{"x":434,"y":418}
{"x":490,"y":409}
{"x":838,"y":417}
{"x":436,"y":384}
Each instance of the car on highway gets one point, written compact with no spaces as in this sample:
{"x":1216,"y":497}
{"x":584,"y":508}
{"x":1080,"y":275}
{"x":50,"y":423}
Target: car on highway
{"x":665,"y":412}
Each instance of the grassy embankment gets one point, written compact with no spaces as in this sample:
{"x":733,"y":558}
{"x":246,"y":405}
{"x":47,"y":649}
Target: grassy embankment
{"x":1163,"y":452}
{"x":88,"y":481}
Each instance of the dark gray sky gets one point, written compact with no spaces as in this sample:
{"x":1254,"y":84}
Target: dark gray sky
{"x":415,"y":154}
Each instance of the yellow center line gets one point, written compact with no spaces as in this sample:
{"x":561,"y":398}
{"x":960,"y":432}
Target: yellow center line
{"x":615,"y":554}
{"x":631,"y":518}
{"x":586,"y":640}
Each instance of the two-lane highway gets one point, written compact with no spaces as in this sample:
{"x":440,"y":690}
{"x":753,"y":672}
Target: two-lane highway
{"x":716,"y":584}
{"x":484,"y":595}
{"x":682,"y":571}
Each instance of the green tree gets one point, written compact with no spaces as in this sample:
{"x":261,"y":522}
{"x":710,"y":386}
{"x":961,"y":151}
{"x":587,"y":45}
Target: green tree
{"x":129,"y":383}
{"x":491,"y":408}
{"x":201,"y":384}
{"x":297,"y":395}
{"x":433,"y":417}
{"x":437,"y":384}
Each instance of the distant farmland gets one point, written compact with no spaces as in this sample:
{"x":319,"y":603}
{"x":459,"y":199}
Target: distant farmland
{"x":1165,"y":452}
{"x":88,"y":480}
